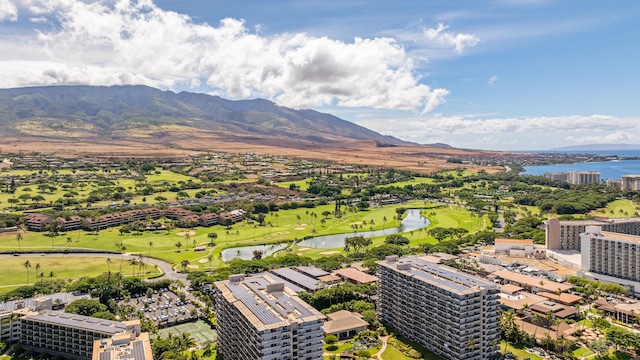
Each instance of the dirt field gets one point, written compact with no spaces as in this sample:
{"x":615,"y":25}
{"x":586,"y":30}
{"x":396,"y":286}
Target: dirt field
{"x":417,"y":158}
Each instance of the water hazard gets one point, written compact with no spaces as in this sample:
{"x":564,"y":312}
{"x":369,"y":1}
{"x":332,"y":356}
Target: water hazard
{"x":412,"y":221}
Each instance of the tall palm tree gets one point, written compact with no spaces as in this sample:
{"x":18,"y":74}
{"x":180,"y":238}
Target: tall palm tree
{"x":109,"y":265}
{"x":123,"y":249}
{"x":149,"y":253}
{"x":210,"y":259}
{"x":27,"y":265}
{"x":51,"y":276}
{"x":41,"y":276}
{"x":38,"y":268}
{"x":69,"y":241}
{"x":133,"y":263}
{"x":19,"y":238}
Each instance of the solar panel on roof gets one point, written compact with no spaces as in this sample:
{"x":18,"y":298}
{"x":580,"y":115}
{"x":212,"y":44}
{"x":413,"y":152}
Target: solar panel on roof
{"x":138,"y":350}
{"x":106,"y":355}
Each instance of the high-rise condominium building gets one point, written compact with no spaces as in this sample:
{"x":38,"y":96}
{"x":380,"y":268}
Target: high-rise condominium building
{"x":259,"y":318}
{"x":453,"y":314}
{"x":630,"y":183}
{"x":565,"y":235}
{"x":614,"y":256}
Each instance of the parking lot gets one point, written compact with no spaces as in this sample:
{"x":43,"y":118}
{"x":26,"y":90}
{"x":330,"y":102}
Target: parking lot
{"x":164,"y":308}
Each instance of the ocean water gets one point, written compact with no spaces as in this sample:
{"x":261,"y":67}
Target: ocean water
{"x":607,"y":169}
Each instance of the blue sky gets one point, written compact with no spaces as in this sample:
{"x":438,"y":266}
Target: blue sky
{"x":502,"y":75}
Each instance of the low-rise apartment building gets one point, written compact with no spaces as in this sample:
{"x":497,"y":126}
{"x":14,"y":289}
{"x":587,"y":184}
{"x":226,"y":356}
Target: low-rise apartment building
{"x":451,"y":313}
{"x":259,"y":318}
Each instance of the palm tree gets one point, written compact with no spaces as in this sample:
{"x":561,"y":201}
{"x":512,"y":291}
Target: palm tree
{"x":184,"y":263}
{"x":69,"y":241}
{"x":41,"y":276}
{"x":51,"y":276}
{"x":19,"y":238}
{"x":109,"y":265}
{"x":178,"y":245}
{"x":133,"y":263}
{"x":38,"y":268}
{"x":123,"y":249}
{"x":210,"y":259}
{"x":536,"y":320}
{"x":27,"y":265}
{"x":149,"y":253}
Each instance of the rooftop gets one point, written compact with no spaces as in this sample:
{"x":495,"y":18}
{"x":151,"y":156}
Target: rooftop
{"x":265,"y":302}
{"x":533,"y":281}
{"x":442,"y":276}
{"x":78,"y":321}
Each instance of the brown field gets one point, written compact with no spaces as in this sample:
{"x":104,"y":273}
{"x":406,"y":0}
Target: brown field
{"x":411,"y":157}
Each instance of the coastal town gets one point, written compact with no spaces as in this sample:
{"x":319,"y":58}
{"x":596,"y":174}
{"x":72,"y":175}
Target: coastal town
{"x":303,"y":259}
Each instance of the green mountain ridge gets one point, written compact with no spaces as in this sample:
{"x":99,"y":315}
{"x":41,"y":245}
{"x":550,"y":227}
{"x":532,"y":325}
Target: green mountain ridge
{"x":141,"y":111}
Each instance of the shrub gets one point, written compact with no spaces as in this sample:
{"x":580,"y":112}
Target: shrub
{"x":330,"y":339}
{"x":332,"y":347}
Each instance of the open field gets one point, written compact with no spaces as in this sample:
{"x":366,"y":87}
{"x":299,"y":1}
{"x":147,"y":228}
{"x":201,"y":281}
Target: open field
{"x":63,"y":266}
{"x":519,"y":353}
{"x":418,"y":158}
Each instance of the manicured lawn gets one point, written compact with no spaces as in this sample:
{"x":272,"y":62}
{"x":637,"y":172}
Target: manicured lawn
{"x":415,"y":181}
{"x":519,"y":353}
{"x":14,"y":274}
{"x":301,"y":184}
{"x":618,"y":209}
{"x":582,"y":351}
{"x":392,"y":353}
{"x":342,"y":346}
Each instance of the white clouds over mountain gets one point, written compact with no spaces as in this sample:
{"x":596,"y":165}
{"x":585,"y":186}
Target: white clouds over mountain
{"x":114,"y":42}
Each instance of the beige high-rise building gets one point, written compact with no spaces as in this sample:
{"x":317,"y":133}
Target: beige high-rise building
{"x":451,"y":313}
{"x":630,"y":183}
{"x":259,"y":318}
{"x":565,"y":235}
{"x":612,"y":257}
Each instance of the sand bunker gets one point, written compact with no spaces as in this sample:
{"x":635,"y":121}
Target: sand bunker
{"x":193,"y":266}
{"x":300,"y":228}
{"x":329,"y":252}
{"x":202,"y":261}
{"x":303,"y":249}
{"x":183,"y":233}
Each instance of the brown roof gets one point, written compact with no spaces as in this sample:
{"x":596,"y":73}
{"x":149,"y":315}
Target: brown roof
{"x":510,"y":289}
{"x":343,"y":321}
{"x":564,"y":298}
{"x":532,"y":281}
{"x":355,"y":275}
{"x":329,"y":278}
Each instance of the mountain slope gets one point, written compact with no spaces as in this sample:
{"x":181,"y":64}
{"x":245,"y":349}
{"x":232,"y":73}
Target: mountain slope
{"x":140,"y":112}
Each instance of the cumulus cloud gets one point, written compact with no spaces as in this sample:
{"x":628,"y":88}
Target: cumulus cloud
{"x":114,"y":42}
{"x":8,"y":11}
{"x":458,"y":41}
{"x":492,"y":80}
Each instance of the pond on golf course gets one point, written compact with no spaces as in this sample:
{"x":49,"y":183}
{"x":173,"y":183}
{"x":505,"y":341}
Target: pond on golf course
{"x":412,"y":221}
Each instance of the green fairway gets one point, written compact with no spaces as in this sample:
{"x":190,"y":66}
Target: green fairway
{"x":284,"y":225}
{"x":63,"y":266}
{"x":618,"y":209}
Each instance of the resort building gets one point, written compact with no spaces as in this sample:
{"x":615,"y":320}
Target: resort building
{"x":451,"y":313}
{"x":565,"y":235}
{"x":630,"y":183}
{"x":259,"y":318}
{"x":611,"y":257}
{"x":575,"y":177}
{"x":123,"y":347}
{"x":37,"y":222}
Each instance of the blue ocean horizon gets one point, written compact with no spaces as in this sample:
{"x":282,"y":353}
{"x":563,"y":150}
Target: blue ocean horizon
{"x":608,"y":169}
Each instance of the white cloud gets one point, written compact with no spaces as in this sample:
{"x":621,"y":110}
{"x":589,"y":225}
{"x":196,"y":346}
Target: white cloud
{"x":616,"y":137}
{"x":113,"y":42}
{"x":458,"y":41}
{"x":8,"y":11}
{"x":492,"y":80}
{"x":483,"y":131}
